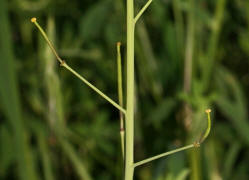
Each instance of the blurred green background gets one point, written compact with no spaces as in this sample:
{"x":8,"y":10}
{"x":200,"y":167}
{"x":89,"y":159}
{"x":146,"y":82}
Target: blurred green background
{"x":190,"y":55}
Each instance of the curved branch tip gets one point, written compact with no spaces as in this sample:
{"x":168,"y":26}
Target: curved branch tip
{"x":207,"y":132}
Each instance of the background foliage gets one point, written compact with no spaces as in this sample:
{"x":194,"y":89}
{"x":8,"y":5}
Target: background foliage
{"x":54,"y":127}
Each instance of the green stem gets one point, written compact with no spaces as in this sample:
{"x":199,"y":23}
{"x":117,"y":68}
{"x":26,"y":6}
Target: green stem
{"x":129,"y":122}
{"x":120,"y":96}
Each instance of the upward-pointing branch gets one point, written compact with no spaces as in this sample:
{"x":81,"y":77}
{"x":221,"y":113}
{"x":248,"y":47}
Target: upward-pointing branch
{"x":120,"y":97}
{"x":195,"y":144}
{"x":142,"y":11}
{"x":63,"y":63}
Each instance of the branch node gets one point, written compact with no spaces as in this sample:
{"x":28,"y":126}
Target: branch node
{"x":196,"y":144}
{"x":62,"y":63}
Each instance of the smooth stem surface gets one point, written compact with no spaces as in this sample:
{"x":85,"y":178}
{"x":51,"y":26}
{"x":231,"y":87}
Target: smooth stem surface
{"x":129,"y":122}
{"x":120,"y":96}
{"x":63,"y":63}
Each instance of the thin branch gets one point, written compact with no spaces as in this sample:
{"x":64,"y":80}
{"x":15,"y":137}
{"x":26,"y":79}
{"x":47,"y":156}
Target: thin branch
{"x":120,"y":96}
{"x":63,"y":63}
{"x":93,"y":87}
{"x":163,"y":155}
{"x":142,"y":11}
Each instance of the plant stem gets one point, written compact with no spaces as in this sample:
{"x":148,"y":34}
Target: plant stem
{"x":129,"y":122}
{"x":120,"y":96}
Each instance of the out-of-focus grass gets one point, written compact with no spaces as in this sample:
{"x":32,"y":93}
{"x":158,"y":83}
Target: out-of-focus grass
{"x":13,"y":129}
{"x":53,"y":127}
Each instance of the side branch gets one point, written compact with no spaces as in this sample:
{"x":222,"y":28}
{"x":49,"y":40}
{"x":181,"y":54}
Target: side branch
{"x":63,"y":63}
{"x":163,"y":155}
{"x":195,"y":144}
{"x":93,"y":87}
{"x":142,"y":11}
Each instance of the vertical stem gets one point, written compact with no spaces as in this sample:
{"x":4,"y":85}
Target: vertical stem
{"x":129,"y":123}
{"x":120,"y":96}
